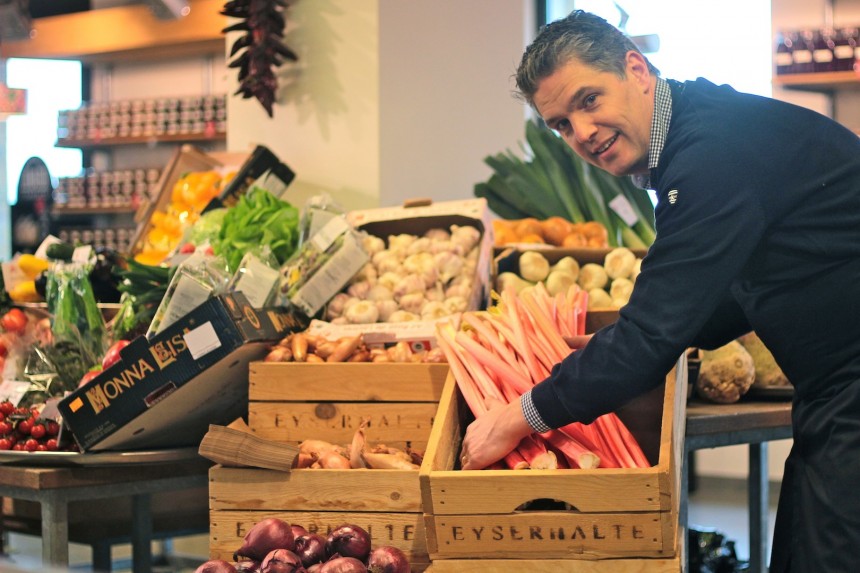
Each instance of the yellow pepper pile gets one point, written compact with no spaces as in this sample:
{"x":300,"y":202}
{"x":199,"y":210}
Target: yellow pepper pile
{"x":189,"y":196}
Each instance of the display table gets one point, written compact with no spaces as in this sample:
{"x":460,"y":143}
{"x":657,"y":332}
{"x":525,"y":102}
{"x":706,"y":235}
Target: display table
{"x":55,"y":488}
{"x":749,"y":422}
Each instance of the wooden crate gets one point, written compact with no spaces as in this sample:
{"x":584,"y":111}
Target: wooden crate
{"x":617,"y":513}
{"x":293,"y":401}
{"x":387,"y":503}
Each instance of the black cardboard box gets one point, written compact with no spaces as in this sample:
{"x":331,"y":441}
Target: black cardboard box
{"x":164,"y":392}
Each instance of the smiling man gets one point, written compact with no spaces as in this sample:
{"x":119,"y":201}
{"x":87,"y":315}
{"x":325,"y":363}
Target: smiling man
{"x":758,"y":228}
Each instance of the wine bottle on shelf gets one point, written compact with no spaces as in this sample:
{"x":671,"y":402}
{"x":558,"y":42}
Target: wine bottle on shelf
{"x":822,"y":53}
{"x":782,"y":57}
{"x":802,"y":53}
{"x":844,"y":44}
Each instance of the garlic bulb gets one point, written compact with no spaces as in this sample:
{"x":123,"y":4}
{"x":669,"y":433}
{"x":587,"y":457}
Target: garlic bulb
{"x":389,"y":280}
{"x":402,"y":316}
{"x":412,"y":302}
{"x":362,"y":312}
{"x":372,"y":244}
{"x":386,"y":308}
{"x":456,"y":304}
{"x":409,"y":284}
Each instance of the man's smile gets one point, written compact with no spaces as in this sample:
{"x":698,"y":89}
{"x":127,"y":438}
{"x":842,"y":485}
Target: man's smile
{"x":605,"y":146}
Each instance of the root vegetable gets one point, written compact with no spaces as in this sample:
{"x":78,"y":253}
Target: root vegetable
{"x":216,"y":566}
{"x":314,"y":359}
{"x":265,"y":536}
{"x":725,"y":374}
{"x":310,"y":548}
{"x":342,"y":565}
{"x":591,"y":276}
{"x":387,"y":462}
{"x":619,"y":263}
{"x":345,"y":347}
{"x":511,"y":280}
{"x":533,"y":266}
{"x":333,"y":460}
{"x":281,"y":561}
{"x":620,"y":291}
{"x":299,"y":347}
{"x":558,"y":281}
{"x":362,"y":312}
{"x":348,"y":540}
{"x":599,"y":299}
{"x":568,"y":264}
{"x":387,"y":559}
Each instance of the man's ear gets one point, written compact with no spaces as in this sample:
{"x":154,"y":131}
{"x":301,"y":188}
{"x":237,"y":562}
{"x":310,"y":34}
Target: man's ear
{"x":637,"y":68}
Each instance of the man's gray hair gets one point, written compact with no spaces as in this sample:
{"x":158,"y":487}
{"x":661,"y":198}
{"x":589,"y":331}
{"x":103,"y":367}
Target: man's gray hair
{"x":579,"y":36}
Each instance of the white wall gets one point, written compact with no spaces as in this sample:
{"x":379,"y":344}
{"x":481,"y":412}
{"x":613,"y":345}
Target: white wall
{"x":391,"y":99}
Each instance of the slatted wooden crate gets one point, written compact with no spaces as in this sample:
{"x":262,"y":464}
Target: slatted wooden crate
{"x":621,"y":519}
{"x":291,"y":402}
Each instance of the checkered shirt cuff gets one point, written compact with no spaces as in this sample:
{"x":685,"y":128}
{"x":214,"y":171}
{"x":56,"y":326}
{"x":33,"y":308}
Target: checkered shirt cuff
{"x":530,"y":412}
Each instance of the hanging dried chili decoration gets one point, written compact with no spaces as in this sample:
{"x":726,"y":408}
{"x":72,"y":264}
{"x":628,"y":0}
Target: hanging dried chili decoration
{"x":262,"y":48}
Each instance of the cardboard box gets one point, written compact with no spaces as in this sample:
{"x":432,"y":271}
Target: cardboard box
{"x":507,"y":260}
{"x":165,"y":392}
{"x":618,"y":514}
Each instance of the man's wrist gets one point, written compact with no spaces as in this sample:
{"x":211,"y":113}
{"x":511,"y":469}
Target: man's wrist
{"x":531,"y":415}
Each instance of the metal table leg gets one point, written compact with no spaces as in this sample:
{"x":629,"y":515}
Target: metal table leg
{"x":759,"y":495}
{"x":141,"y":533}
{"x":55,"y":530}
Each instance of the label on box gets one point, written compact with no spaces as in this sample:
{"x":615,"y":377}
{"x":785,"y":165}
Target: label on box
{"x":333,"y":275}
{"x":202,"y":340}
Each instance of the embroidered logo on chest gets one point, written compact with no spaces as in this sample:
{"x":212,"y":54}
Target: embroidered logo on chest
{"x":673,"y":196}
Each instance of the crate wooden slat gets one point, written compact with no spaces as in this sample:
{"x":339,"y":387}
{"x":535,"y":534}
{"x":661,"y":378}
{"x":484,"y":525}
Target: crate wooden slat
{"x":389,"y":382}
{"x":617,"y":513}
{"x":314,"y":490}
{"x":402,"y":530}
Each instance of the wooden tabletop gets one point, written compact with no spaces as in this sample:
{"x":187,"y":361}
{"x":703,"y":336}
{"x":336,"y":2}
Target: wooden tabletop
{"x":38,"y":478}
{"x":706,"y":418}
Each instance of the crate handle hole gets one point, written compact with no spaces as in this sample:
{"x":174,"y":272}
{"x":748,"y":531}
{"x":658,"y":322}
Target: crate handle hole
{"x":546,"y":504}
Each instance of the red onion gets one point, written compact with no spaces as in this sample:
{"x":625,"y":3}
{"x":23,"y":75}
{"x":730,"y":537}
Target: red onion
{"x":310,"y":548}
{"x":271,"y":533}
{"x":247,"y":566}
{"x":281,"y":561}
{"x":348,"y":541}
{"x":216,"y":566}
{"x":343,"y":565}
{"x":387,"y":559}
{"x":298,"y":530}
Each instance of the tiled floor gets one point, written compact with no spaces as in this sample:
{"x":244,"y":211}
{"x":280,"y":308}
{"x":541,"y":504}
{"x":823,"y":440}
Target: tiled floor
{"x":716,"y":503}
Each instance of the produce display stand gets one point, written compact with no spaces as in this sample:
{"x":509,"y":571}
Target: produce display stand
{"x":290,"y":402}
{"x":622,"y":519}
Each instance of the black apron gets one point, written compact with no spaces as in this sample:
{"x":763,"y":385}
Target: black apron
{"x":818,"y":517}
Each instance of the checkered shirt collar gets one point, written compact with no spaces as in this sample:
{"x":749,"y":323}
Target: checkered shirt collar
{"x":659,"y":129}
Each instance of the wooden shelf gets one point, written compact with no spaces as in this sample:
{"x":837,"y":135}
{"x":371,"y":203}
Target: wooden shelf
{"x":85,"y":211}
{"x":128,"y":32}
{"x":148,"y":139}
{"x":820,"y":82}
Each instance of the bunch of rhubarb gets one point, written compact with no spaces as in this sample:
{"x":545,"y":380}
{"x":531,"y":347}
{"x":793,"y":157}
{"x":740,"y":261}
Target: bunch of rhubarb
{"x":500,"y":354}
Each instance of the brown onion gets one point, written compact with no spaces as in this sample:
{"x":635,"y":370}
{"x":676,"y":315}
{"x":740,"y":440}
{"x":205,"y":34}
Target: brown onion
{"x":310,"y":548}
{"x":348,"y":541}
{"x":281,"y":561}
{"x":267,"y":535}
{"x":216,"y":566}
{"x":343,"y":565}
{"x":387,"y":559}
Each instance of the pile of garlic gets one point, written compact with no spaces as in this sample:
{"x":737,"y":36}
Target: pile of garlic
{"x":608,"y":285}
{"x":411,"y":278}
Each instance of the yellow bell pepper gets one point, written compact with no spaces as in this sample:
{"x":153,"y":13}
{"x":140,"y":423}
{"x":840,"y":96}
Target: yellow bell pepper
{"x":31,"y":265}
{"x":25,"y":292}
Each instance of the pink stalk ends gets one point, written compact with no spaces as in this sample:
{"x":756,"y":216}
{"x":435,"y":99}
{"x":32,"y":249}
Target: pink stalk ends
{"x":577,"y":454}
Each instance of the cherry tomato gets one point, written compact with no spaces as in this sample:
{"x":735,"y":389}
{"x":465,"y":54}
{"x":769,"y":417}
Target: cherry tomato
{"x":112,"y":355}
{"x":18,"y":447}
{"x":7,"y":407}
{"x":41,"y":448}
{"x":24,"y":426}
{"x":5,"y":444}
{"x":52,"y":427}
{"x":38,"y":431}
{"x":14,"y":321}
{"x":5,"y":428}
{"x":31,"y":445}
{"x":51,"y":445}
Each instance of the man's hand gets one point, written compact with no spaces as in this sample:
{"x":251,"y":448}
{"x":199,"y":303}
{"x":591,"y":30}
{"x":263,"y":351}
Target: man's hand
{"x":493,"y":435}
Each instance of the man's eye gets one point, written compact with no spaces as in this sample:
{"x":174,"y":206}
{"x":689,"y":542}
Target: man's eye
{"x":589,"y":100}
{"x":562,"y":126}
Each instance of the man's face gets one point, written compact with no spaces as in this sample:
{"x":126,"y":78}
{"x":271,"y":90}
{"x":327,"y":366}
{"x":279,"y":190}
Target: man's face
{"x":605,"y":119}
